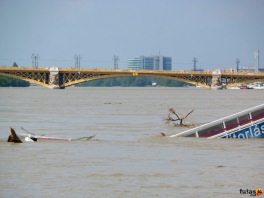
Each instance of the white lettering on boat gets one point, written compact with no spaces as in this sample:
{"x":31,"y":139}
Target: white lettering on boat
{"x":254,"y":131}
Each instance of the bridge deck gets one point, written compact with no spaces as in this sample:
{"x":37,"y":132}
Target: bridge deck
{"x":70,"y":76}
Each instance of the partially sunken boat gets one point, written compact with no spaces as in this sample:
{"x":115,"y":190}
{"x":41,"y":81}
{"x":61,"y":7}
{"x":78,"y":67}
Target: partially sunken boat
{"x":13,"y":137}
{"x":242,"y":125}
{"x":30,"y":137}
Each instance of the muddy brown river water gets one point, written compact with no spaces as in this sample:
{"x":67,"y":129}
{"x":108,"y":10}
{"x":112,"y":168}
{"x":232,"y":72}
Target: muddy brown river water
{"x":128,"y":157}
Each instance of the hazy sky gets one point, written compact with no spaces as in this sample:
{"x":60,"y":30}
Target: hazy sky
{"x":215,"y":31}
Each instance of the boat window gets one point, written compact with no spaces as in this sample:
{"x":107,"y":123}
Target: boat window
{"x":257,"y":114}
{"x":219,"y":128}
{"x":244,"y":119}
{"x":231,"y":124}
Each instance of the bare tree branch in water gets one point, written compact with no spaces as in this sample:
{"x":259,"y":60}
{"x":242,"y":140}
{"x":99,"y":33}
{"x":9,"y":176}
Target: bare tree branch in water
{"x":177,"y":119}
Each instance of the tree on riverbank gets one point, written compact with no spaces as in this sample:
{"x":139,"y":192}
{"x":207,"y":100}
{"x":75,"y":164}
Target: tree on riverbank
{"x":12,"y":82}
{"x":15,"y":64}
{"x":131,"y":81}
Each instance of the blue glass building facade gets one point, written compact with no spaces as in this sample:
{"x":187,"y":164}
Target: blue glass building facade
{"x":150,"y":63}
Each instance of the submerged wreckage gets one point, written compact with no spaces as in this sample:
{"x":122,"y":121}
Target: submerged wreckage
{"x":31,"y":137}
{"x":242,"y":125}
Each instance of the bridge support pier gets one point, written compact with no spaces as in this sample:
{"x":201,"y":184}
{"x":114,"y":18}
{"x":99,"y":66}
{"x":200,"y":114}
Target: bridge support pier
{"x":55,"y":79}
{"x":216,"y":80}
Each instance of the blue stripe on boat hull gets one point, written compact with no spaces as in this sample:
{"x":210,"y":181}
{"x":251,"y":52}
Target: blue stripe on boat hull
{"x":255,"y":131}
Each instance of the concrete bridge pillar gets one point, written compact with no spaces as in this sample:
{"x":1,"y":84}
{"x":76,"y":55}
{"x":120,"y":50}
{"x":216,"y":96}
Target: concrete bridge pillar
{"x":55,"y":79}
{"x":216,"y":80}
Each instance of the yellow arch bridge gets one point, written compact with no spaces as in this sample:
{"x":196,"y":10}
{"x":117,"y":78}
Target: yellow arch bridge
{"x":62,"y":77}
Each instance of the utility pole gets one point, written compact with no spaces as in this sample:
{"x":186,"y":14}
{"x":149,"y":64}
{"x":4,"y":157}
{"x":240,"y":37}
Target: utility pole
{"x":35,"y":58}
{"x":257,"y":60}
{"x":237,"y":64}
{"x":194,"y":63}
{"x":77,"y":59}
{"x":116,"y":60}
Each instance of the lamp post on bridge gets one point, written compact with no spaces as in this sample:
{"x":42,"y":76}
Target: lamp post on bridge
{"x":256,"y":56}
{"x":194,"y":63}
{"x":237,"y":64}
{"x":116,"y":60}
{"x":35,"y":58}
{"x":77,"y":59}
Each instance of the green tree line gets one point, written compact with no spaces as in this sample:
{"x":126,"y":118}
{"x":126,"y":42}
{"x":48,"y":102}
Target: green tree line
{"x":12,"y":82}
{"x":109,"y":82}
{"x":131,"y":81}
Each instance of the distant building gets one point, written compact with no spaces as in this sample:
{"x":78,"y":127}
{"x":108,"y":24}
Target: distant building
{"x":250,"y":69}
{"x":167,"y":63}
{"x":135,"y":63}
{"x":150,"y":63}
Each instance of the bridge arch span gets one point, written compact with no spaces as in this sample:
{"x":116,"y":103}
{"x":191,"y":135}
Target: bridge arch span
{"x":27,"y":79}
{"x":83,"y":80}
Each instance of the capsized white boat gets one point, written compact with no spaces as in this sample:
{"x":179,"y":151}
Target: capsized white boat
{"x":31,"y":137}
